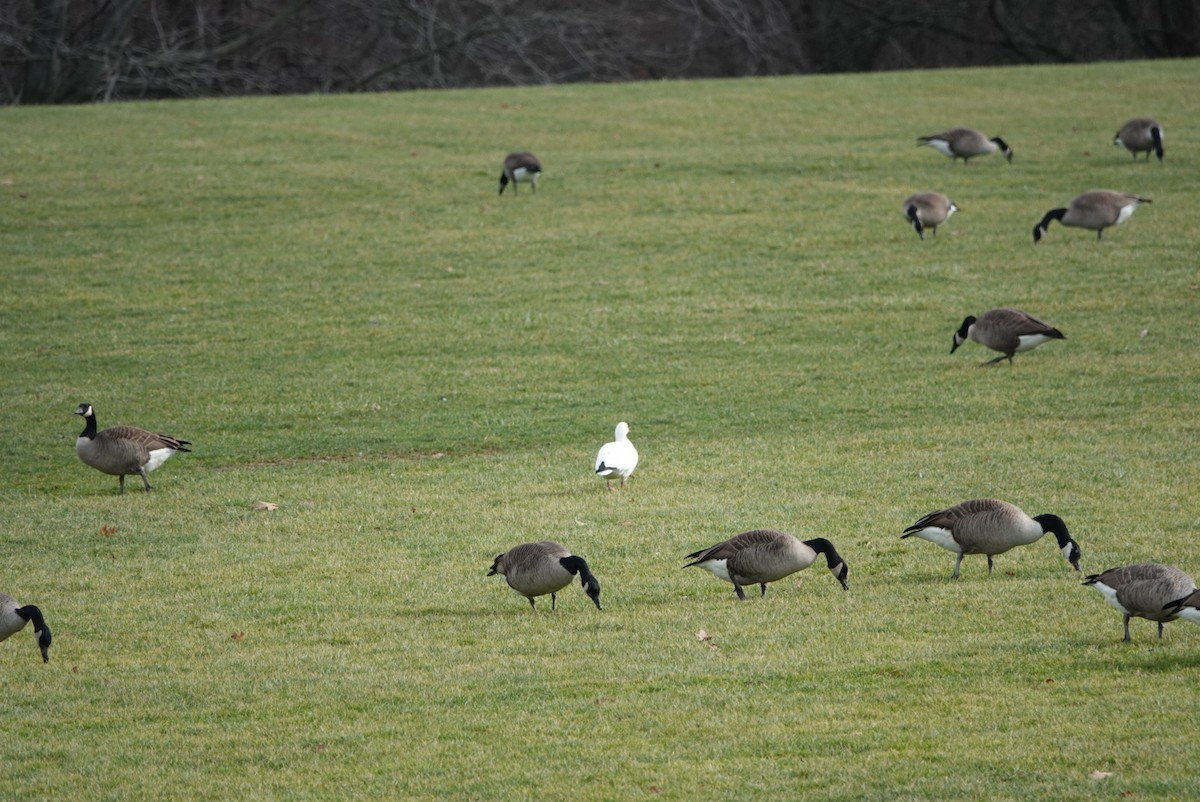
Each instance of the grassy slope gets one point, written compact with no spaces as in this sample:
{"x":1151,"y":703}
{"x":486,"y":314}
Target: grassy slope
{"x":326,"y":296}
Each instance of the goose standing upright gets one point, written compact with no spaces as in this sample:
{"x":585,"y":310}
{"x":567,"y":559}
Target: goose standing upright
{"x":14,"y":617}
{"x":518,"y":167}
{"x":766,"y":555}
{"x":1006,"y":330}
{"x":990,"y":526}
{"x":928,"y":210}
{"x":535,"y":569}
{"x":618,"y":458}
{"x":965,"y":143}
{"x":121,"y":450}
{"x":1144,"y":590}
{"x":1096,"y":210}
{"x":1141,"y":134}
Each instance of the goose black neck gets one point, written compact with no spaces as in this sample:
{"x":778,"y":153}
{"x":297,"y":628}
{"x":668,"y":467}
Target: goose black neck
{"x":822,"y":546}
{"x":1055,"y":525}
{"x":30,"y":612}
{"x":1053,"y":214}
{"x":577,"y":566}
{"x":89,"y":426}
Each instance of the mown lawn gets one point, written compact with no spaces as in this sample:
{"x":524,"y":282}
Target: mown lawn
{"x":328,"y":298}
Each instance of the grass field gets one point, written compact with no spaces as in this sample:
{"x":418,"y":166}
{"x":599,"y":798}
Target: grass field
{"x":328,"y":298}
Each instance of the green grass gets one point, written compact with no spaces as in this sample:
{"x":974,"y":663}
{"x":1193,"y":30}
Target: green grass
{"x":326,"y":295}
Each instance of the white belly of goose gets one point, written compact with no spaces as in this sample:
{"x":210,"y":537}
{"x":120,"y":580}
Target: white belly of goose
{"x":1110,"y":595}
{"x":718,"y":568}
{"x":158,"y":456}
{"x":1026,"y":342}
{"x":1190,"y":614}
{"x":940,"y":537}
{"x":941,"y":146}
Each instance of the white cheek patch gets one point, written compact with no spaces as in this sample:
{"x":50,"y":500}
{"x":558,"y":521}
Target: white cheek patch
{"x":1125,"y":212}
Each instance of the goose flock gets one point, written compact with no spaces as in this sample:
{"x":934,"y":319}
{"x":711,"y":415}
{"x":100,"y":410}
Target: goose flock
{"x":1153,"y":591}
{"x":984,"y":526}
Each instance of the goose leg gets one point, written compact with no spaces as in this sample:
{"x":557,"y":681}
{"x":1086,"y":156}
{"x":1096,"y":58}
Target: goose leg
{"x":532,"y":606}
{"x":741,"y":593}
{"x":989,"y":565}
{"x":1000,"y":358}
{"x":763,"y":585}
{"x":957,"y":564}
{"x":122,"y":478}
{"x":553,"y":601}
{"x":1126,"y":640}
{"x":1160,"y":626}
{"x":145,"y":480}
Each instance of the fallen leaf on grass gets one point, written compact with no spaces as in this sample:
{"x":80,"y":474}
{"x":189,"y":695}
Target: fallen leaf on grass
{"x":237,"y":635}
{"x":264,"y":505}
{"x":1101,"y":775}
{"x":108,"y":530}
{"x":703,"y":636}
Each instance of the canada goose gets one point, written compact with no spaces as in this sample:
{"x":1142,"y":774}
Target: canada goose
{"x":13,"y":618}
{"x":618,"y":458}
{"x":535,"y":569}
{"x":965,"y":143}
{"x":1187,"y":608}
{"x":1095,"y":209}
{"x":928,"y":210}
{"x":1143,"y":590}
{"x":520,"y":167}
{"x":120,"y":450}
{"x":1141,"y":134}
{"x":990,"y":526}
{"x":765,"y":555}
{"x":1006,"y":330}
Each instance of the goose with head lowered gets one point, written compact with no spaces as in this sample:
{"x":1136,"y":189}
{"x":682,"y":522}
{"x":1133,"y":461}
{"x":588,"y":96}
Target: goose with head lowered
{"x":928,"y":210}
{"x":1096,"y":210}
{"x":122,"y":450}
{"x":990,"y":526}
{"x":13,"y":618}
{"x":766,"y":555}
{"x":1144,"y":590}
{"x":965,"y":143}
{"x":520,"y":167}
{"x":618,"y":458}
{"x":1141,"y":135}
{"x":535,"y":569}
{"x":1006,"y":330}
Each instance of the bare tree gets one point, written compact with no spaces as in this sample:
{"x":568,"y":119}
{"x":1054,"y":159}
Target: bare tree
{"x":55,"y":51}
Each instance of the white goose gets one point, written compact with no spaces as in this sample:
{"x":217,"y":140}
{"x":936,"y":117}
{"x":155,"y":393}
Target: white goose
{"x":618,"y":458}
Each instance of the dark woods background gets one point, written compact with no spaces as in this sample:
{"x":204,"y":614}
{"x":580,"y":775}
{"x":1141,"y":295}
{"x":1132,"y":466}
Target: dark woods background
{"x":70,"y":51}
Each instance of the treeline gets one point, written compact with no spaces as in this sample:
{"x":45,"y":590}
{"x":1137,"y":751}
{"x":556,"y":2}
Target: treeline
{"x":74,"y":51}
